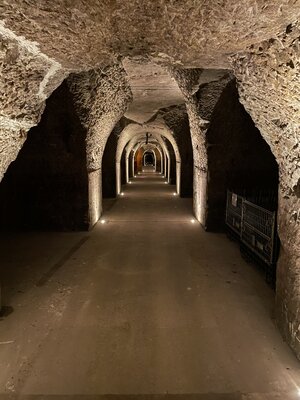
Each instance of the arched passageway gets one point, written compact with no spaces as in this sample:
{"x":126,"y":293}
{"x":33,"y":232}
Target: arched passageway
{"x":239,"y":159}
{"x":139,"y":290}
{"x":46,"y":187}
{"x":149,"y":158}
{"x":158,"y":135}
{"x":130,"y":141}
{"x":145,"y":168}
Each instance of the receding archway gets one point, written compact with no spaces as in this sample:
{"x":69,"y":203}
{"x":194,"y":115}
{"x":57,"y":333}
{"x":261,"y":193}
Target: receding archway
{"x":133,"y":133}
{"x":149,"y":158}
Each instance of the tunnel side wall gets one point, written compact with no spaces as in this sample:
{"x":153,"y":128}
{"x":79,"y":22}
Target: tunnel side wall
{"x":239,"y":158}
{"x":172,"y":164}
{"x":46,"y":187}
{"x":109,"y":189}
{"x":176,"y":119}
{"x":158,"y":160}
{"x":123,"y":168}
{"x":183,"y":139}
{"x":139,"y":160}
{"x":268,"y":82}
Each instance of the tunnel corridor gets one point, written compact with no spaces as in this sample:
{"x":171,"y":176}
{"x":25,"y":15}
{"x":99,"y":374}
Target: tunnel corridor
{"x":150,"y":199}
{"x":145,"y":303}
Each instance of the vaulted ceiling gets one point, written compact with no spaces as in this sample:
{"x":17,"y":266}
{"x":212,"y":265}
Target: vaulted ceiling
{"x":89,"y":33}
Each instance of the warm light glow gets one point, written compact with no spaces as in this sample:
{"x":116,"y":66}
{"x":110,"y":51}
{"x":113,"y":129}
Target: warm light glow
{"x":193,"y":221}
{"x":174,"y":194}
{"x":102,"y":221}
{"x":122,"y":194}
{"x":129,"y":183}
{"x":166,"y":182}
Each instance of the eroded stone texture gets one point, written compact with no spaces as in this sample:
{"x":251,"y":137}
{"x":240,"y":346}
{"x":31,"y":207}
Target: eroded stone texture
{"x":41,"y":42}
{"x":27,"y":77}
{"x":239,"y":159}
{"x":200,"y":102}
{"x":176,"y":119}
{"x":109,"y":160}
{"x":101,"y":97}
{"x":269,"y":86}
{"x":83,"y":34}
{"x":152,"y":88}
{"x":46,"y":187}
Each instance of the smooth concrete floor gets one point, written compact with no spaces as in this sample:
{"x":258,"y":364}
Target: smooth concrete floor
{"x":145,"y":306}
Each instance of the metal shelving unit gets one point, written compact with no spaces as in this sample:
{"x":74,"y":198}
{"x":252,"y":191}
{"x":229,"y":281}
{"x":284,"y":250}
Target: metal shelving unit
{"x":255,"y":227}
{"x":234,"y":211}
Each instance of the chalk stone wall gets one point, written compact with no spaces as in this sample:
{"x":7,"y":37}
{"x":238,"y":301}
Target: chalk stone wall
{"x":46,"y":186}
{"x":239,"y":158}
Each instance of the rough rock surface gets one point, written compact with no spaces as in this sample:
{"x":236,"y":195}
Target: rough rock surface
{"x":192,"y":83}
{"x":46,"y":187}
{"x":152,"y":88}
{"x":41,"y":43}
{"x":269,"y":86}
{"x":27,"y":78}
{"x":176,"y":119}
{"x":83,"y":34}
{"x":239,"y":159}
{"x":195,"y":85}
{"x":101,"y":97}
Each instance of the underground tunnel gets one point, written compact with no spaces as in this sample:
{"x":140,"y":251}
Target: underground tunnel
{"x":149,"y":200}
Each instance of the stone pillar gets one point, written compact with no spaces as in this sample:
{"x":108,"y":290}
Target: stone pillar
{"x":95,"y":197}
{"x":165,"y":166}
{"x":118,"y":177}
{"x":27,"y":79}
{"x":178,"y":177}
{"x":288,"y":268}
{"x":199,"y":107}
{"x":132,"y":164}
{"x":101,"y":97}
{"x":127,"y":168}
{"x":198,"y":136}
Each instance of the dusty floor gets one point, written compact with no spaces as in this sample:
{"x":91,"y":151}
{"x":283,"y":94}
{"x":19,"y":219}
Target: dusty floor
{"x":146,"y":303}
